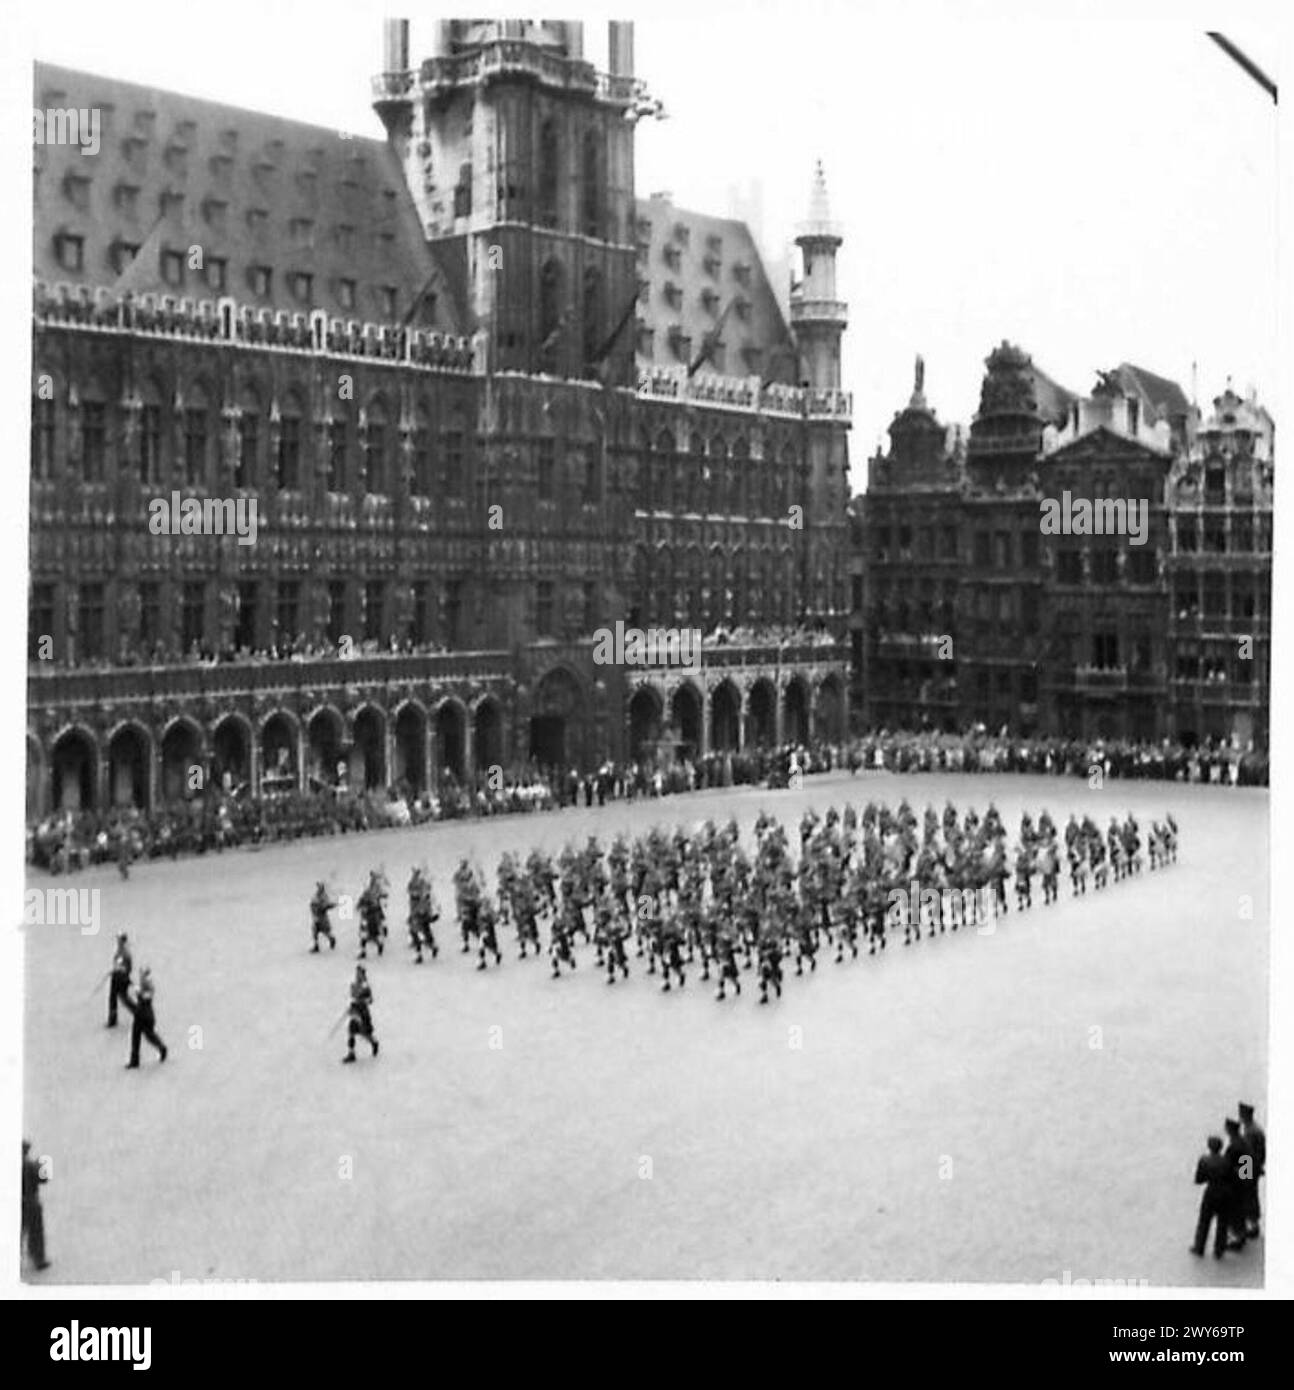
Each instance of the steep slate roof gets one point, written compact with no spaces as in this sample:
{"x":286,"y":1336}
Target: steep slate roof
{"x":1054,"y":400}
{"x":704,"y":292}
{"x":1166,"y":398}
{"x":176,"y":171}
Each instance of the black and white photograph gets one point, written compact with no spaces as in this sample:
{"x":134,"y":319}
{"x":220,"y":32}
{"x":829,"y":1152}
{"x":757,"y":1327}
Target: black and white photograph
{"x":649,"y":647}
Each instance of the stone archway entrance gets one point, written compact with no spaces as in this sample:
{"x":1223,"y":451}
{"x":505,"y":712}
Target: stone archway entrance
{"x":557,"y":721}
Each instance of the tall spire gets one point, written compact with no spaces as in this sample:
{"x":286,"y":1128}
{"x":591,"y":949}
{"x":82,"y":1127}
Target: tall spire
{"x":819,"y":208}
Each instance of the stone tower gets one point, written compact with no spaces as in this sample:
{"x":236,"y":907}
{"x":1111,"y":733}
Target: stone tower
{"x":520,"y":158}
{"x":818,"y":317}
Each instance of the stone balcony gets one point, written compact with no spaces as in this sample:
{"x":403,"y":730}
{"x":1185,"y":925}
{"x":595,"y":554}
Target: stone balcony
{"x":819,"y":311}
{"x":49,"y":685}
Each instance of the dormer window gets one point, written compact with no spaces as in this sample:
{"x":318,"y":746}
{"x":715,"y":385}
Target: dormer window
{"x":680,"y":343}
{"x":673,"y":295}
{"x":741,"y":272}
{"x":301,"y":286}
{"x":69,"y":250}
{"x":742,"y":307}
{"x":77,"y":189}
{"x":123,"y":252}
{"x":259,"y":278}
{"x":710,"y":301}
{"x":173,"y":267}
{"x":346,"y":293}
{"x":682,"y":233}
{"x":671,"y":257}
{"x":713,"y":265}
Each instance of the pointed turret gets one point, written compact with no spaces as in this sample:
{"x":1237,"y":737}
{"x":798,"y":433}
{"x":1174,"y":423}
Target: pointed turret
{"x":817,"y":316}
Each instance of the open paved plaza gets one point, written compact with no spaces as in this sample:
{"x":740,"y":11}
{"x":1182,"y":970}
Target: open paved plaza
{"x":1002,"y":1107}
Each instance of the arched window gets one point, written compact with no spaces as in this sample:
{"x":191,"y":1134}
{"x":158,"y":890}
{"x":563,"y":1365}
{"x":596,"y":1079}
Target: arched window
{"x":593,"y":200}
{"x":550,"y":315}
{"x":718,"y":477}
{"x":663,"y":470}
{"x":287,"y":464}
{"x":422,"y":481}
{"x":593,"y":316}
{"x":251,"y":432}
{"x":376,"y":478}
{"x":549,"y":179}
{"x":42,"y":428}
{"x":738,"y":502}
{"x":152,"y":460}
{"x":197,"y":437}
{"x":93,"y":423}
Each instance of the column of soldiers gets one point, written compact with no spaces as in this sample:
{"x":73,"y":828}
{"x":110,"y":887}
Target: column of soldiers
{"x":683,"y":903}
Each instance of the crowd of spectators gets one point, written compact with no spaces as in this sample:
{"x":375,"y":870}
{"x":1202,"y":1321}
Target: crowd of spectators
{"x":223,"y":818}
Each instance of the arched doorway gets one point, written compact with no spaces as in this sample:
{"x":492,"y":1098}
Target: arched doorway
{"x":323,"y":747}
{"x":450,"y":729}
{"x":411,"y":746}
{"x":231,"y":754}
{"x":829,"y":717}
{"x":487,"y":736}
{"x":183,"y":764}
{"x":128,"y":767}
{"x":278,"y":754}
{"x":685,"y":713}
{"x":367,"y":762}
{"x":725,"y":718}
{"x":644,"y":723}
{"x":761,"y":726}
{"x":795,"y":716}
{"x":73,"y":763}
{"x":556,"y":735}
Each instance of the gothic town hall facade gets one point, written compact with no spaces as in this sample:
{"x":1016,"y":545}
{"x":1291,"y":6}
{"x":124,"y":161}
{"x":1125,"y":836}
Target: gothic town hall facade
{"x":486,"y":402}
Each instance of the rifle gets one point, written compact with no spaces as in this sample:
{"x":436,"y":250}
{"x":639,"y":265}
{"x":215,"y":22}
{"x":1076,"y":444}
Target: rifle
{"x":107,"y":975}
{"x":338,"y":1024}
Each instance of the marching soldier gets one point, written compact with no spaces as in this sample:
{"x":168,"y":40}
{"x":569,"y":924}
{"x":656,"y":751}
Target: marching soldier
{"x":359,"y":1022}
{"x":119,"y":979}
{"x":144,"y":1024}
{"x":320,"y":906}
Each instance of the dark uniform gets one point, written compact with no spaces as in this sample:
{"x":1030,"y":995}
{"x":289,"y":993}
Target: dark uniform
{"x":33,"y":1218}
{"x":359,"y":1023}
{"x":320,"y":906}
{"x":119,"y":981}
{"x":145,"y":1022}
{"x":1240,"y":1158}
{"x":1253,"y":1134}
{"x":1214,"y":1171}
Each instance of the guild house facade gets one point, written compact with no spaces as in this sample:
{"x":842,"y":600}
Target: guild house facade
{"x":487,"y":402}
{"x":1082,"y":567}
